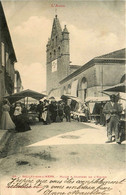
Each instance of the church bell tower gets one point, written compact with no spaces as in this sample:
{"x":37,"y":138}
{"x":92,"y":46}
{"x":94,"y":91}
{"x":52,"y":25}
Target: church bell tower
{"x":58,"y":57}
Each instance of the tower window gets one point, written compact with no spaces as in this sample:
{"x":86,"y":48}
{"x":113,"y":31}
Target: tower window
{"x":52,"y":42}
{"x":56,"y":40}
{"x":59,"y":51}
{"x":54,"y":53}
{"x":50,"y":55}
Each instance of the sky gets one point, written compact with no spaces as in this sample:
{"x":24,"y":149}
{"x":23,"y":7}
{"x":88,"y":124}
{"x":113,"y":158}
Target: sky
{"x":95,"y":27}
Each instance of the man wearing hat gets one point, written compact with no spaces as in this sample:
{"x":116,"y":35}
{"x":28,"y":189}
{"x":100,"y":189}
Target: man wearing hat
{"x":40,"y":110}
{"x":112,"y":110}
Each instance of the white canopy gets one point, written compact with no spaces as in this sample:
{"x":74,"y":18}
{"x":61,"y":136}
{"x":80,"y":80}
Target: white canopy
{"x":97,"y":99}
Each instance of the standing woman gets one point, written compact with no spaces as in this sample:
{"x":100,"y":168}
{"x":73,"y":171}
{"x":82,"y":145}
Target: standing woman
{"x":6,"y":121}
{"x":46,"y":114}
{"x":21,"y":118}
{"x":17,"y":116}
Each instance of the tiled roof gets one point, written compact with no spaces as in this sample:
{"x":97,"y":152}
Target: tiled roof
{"x":74,"y":66}
{"x":119,"y":54}
{"x":116,"y":56}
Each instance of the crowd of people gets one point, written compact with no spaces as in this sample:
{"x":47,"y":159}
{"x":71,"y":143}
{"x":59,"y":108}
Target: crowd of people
{"x":14,"y":117}
{"x":107,"y":114}
{"x":53,"y":111}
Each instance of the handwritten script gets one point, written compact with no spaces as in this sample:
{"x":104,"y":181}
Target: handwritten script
{"x":66,"y":185}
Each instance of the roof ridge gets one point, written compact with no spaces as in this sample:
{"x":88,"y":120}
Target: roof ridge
{"x":111,"y":53}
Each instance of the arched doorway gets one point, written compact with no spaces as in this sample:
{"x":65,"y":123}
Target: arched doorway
{"x":123,"y":78}
{"x":83,"y":88}
{"x":78,"y":90}
{"x":74,"y":87}
{"x":69,"y":89}
{"x":64,"y":90}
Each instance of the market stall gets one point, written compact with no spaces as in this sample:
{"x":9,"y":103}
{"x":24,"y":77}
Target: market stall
{"x":16,"y":97}
{"x":96,"y":105}
{"x":77,"y":107}
{"x":24,"y":94}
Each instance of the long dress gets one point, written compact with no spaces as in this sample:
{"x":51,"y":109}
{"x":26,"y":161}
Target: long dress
{"x":46,"y":114}
{"x":6,"y":121}
{"x":21,"y":119}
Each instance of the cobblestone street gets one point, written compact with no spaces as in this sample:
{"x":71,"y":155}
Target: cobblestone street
{"x":62,"y":147}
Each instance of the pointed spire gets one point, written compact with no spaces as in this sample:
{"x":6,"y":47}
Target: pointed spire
{"x":65,"y":29}
{"x":65,"y":33}
{"x":56,"y":26}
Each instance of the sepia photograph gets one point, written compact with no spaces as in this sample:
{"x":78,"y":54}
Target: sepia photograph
{"x":62,"y":97}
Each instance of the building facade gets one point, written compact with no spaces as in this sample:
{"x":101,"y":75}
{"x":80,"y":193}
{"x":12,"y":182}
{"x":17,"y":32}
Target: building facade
{"x":7,"y":58}
{"x":95,"y":76}
{"x":80,"y":81}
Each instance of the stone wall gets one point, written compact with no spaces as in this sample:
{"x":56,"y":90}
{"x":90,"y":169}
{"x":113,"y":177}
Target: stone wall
{"x":7,"y":59}
{"x":109,"y":74}
{"x":98,"y":76}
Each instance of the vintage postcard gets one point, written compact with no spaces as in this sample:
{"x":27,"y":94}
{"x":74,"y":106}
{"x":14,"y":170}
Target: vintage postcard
{"x":62,"y":97}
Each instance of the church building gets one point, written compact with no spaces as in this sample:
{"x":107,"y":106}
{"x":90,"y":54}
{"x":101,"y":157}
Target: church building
{"x":81,"y":81}
{"x":96,"y":75}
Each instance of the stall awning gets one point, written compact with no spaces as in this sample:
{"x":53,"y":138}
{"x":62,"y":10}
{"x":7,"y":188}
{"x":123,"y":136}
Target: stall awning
{"x":97,"y":99}
{"x":121,"y":87}
{"x":72,"y":98}
{"x":26,"y":93}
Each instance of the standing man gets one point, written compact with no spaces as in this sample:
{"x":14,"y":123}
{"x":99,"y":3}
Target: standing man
{"x":112,"y":110}
{"x":40,"y":110}
{"x":67,"y":110}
